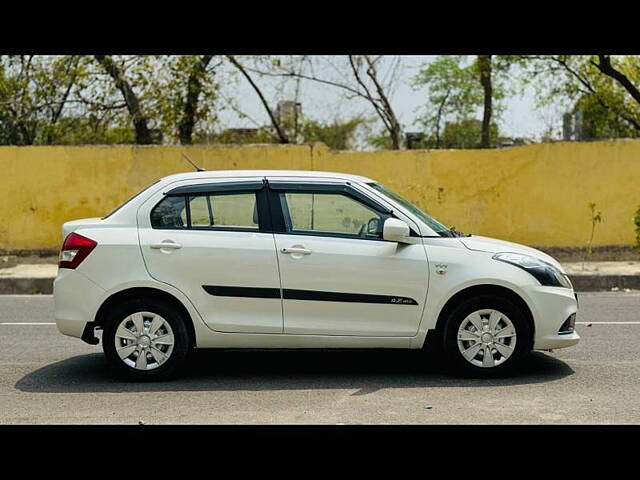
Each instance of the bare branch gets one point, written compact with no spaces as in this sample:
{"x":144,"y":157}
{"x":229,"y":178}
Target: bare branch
{"x":282,"y":137}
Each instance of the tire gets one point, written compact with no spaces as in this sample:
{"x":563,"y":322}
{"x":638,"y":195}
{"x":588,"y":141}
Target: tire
{"x":123,"y":343}
{"x":496,"y":354}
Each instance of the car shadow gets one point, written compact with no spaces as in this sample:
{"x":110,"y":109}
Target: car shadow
{"x":254,"y":370}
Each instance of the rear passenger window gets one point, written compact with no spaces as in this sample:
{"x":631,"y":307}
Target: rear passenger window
{"x":229,"y":210}
{"x":222,"y":210}
{"x":170,"y":213}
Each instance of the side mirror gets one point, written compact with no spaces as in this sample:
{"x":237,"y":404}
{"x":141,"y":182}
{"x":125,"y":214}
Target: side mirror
{"x":395,"y":230}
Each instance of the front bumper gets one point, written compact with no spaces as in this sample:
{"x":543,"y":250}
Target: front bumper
{"x":75,"y":298}
{"x":551,"y":306}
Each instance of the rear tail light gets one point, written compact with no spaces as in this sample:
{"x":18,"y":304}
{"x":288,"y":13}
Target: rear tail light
{"x":74,"y":250}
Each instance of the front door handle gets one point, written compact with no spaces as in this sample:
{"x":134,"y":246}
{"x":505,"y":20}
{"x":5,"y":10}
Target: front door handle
{"x":166,"y":245}
{"x":297,"y":250}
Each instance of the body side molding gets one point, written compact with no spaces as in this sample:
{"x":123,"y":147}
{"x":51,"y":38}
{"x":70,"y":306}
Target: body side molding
{"x":314,"y":295}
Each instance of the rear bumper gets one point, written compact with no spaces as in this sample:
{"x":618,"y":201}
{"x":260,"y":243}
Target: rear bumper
{"x":75,"y":298}
{"x":551,"y":308}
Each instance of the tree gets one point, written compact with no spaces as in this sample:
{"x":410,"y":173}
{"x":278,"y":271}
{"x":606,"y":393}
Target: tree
{"x":197,"y":72}
{"x":602,"y":82}
{"x":600,"y":123}
{"x":458,"y":88}
{"x":280,"y":131}
{"x":180,"y":94}
{"x":35,"y":92}
{"x":453,"y":94}
{"x":117,"y":73}
{"x":483,"y":63}
{"x":43,"y":97}
{"x":357,"y":76}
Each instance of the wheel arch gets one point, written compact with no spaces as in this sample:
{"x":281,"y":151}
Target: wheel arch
{"x":474,"y":291}
{"x":141,"y":293}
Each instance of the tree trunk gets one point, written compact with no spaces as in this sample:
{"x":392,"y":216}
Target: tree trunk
{"x":142,"y":133}
{"x":194,"y":88}
{"x":607,"y":68}
{"x":484,"y":67}
{"x":439,"y":117}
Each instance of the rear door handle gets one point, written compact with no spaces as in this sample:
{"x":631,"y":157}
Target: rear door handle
{"x":166,"y":245}
{"x":298,"y":250}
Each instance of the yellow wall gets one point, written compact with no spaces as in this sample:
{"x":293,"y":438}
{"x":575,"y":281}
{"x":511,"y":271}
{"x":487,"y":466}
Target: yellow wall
{"x":536,"y":194}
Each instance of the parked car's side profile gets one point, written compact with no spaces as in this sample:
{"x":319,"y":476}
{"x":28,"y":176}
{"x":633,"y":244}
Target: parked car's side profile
{"x":297,"y":259}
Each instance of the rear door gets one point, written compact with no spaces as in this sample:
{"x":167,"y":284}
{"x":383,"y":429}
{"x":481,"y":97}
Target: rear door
{"x":213,"y":241}
{"x":338,"y":276}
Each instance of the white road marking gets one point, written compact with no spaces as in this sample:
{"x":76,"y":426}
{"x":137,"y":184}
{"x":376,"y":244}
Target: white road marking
{"x":27,"y":323}
{"x":577,"y":323}
{"x":607,"y":323}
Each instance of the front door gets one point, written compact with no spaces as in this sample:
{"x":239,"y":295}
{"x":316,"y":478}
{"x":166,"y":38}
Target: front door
{"x":214,"y":243}
{"x":338,"y":276}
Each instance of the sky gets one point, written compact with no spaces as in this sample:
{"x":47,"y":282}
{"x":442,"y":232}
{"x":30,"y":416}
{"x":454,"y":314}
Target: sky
{"x":322,"y":102}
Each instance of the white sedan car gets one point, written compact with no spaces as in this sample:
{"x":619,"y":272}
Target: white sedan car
{"x":300,"y":259}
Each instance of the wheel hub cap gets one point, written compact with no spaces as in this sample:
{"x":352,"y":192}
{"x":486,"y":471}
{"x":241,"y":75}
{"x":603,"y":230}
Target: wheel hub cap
{"x":486,"y":338}
{"x":144,"y":340}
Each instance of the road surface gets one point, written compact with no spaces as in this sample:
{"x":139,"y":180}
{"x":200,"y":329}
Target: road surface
{"x":48,"y":378}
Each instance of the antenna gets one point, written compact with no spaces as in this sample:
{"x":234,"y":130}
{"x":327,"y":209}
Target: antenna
{"x":198,"y":169}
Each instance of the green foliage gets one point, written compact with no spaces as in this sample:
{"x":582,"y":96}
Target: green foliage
{"x":463,"y":133}
{"x":42,"y":97}
{"x":70,"y":99}
{"x":455,"y":96}
{"x":600,"y":123}
{"x":380,"y":141}
{"x":336,"y":135}
{"x":466,"y":132}
{"x":574,"y":80}
{"x":454,"y":93}
{"x":35,"y":92}
{"x":237,"y":136}
{"x":163,"y":82}
{"x":87,"y":131}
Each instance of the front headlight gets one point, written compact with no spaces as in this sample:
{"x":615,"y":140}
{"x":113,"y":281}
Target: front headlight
{"x":544,"y":272}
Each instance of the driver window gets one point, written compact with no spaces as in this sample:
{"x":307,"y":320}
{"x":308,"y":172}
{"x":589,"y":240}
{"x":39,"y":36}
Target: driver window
{"x":331,"y":213}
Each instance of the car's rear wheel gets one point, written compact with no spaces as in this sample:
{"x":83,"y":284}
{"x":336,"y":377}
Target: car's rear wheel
{"x":146,"y":339}
{"x":486,"y":336}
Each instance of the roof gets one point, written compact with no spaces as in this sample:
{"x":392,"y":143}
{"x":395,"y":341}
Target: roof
{"x":265,"y":173}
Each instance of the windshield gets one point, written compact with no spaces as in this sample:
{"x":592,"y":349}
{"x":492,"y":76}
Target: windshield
{"x":435,"y":225}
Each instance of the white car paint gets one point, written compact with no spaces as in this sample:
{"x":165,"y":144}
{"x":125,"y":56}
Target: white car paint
{"x":124,"y":258}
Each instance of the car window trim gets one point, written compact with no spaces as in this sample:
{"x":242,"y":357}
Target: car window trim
{"x":326,"y":188}
{"x":231,"y":188}
{"x":275,"y":187}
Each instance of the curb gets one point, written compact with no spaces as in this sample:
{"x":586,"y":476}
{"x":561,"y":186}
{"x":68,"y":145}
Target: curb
{"x":604,"y":283}
{"x":26,"y":286}
{"x":581,"y":283}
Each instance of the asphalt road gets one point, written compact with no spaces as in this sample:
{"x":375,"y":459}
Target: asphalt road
{"x":46,"y":378}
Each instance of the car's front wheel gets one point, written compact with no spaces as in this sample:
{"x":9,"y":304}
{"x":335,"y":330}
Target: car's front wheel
{"x":486,"y":336}
{"x":145,"y":339}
